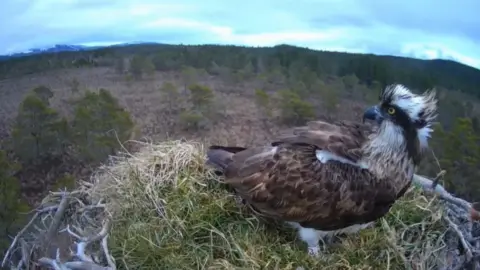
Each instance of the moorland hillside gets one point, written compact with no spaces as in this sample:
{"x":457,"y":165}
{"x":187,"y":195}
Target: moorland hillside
{"x":64,"y":113}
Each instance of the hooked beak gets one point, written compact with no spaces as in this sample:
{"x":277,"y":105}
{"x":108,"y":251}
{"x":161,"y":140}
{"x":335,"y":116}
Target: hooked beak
{"x":373,"y":113}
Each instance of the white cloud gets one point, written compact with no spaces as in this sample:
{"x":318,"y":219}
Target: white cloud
{"x":438,"y":51}
{"x":447,"y":30}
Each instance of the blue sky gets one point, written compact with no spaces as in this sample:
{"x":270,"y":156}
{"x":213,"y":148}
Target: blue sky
{"x":424,"y":29}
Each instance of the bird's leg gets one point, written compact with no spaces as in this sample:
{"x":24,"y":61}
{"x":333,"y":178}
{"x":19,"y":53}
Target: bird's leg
{"x":312,"y":238}
{"x":239,"y":201}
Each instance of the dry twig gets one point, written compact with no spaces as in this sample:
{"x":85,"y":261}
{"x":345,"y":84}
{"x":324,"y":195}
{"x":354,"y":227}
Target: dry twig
{"x":80,"y":259}
{"x":459,"y":216}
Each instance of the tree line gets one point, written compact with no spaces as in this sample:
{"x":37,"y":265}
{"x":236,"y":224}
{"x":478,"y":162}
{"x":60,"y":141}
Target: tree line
{"x":285,"y":59}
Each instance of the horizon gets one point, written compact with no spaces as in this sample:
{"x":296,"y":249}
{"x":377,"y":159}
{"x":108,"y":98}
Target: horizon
{"x":367,"y":27}
{"x":96,"y":45}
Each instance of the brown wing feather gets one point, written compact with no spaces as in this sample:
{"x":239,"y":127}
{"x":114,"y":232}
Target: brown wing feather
{"x":250,"y":161}
{"x":342,"y":138}
{"x":286,"y":183}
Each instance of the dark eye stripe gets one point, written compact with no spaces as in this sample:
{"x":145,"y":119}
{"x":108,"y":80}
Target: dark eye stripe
{"x":402,"y":119}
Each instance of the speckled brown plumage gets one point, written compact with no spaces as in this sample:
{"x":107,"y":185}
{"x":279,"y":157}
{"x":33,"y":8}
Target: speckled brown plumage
{"x":286,"y":181}
{"x":342,"y":138}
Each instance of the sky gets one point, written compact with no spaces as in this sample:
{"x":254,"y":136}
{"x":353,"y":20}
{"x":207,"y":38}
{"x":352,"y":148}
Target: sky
{"x":424,"y":29}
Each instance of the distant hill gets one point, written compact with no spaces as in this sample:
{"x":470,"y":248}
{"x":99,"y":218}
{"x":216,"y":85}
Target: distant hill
{"x":368,"y":68}
{"x":55,"y":48}
{"x":64,"y":48}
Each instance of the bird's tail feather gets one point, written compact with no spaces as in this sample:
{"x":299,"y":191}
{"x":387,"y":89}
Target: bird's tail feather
{"x":220,"y":156}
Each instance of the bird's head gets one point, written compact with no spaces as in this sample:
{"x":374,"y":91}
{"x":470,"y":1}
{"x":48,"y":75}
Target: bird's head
{"x":404,"y":118}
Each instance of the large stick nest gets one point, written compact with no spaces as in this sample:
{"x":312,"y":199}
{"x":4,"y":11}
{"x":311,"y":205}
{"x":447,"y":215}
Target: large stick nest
{"x":169,"y":182}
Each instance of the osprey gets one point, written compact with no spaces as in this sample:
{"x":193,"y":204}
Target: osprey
{"x":330,"y":178}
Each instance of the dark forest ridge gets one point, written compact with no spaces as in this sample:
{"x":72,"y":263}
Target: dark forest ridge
{"x":368,"y":68}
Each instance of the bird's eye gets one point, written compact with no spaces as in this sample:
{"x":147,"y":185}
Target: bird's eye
{"x":391,"y":110}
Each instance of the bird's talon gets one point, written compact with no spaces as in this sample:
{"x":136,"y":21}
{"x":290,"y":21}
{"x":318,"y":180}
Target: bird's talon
{"x":314,"y":251}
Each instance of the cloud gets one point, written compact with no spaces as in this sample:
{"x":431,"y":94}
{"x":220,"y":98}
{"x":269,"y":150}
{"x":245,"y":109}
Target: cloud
{"x":426,"y":29}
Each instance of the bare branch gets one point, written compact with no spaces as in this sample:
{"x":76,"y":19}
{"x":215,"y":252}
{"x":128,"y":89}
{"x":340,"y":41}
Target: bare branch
{"x":86,"y":261}
{"x":17,"y":237}
{"x":437,"y":178}
{"x":430,"y":187}
{"x":109,"y":257}
{"x":85,"y":266}
{"x":26,"y":253}
{"x":459,"y":215}
{"x":82,"y":214}
{"x":57,"y":219}
{"x":463,"y":241}
{"x":50,"y":262}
